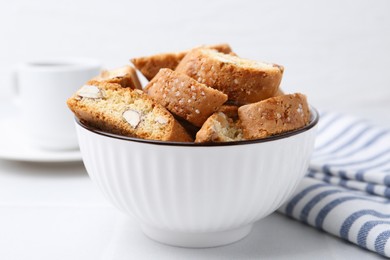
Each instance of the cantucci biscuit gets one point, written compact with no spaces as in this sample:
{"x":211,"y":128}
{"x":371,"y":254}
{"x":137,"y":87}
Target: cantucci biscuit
{"x":244,"y":81}
{"x":112,"y":108}
{"x":274,"y":116}
{"x":125,"y":76}
{"x":219,"y":128}
{"x":150,"y":65}
{"x":184,"y":96}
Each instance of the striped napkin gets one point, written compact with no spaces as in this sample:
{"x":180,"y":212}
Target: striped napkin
{"x":347,"y":189}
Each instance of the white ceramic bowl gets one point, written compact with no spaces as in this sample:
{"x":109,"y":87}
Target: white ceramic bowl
{"x":197,"y":195}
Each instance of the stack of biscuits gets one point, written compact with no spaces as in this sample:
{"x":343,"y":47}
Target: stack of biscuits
{"x":205,"y":94}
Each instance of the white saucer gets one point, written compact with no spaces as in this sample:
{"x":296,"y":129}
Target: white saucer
{"x":14,"y":146}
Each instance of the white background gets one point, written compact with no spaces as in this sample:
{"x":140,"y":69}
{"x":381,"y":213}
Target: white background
{"x":336,"y":52}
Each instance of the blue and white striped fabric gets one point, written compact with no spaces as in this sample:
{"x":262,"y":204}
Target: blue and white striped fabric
{"x":347,"y":189}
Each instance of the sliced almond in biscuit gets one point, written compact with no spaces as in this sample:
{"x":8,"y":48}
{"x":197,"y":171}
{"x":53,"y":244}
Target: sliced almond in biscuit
{"x":90,"y":91}
{"x":132,"y":117}
{"x":161,"y":120}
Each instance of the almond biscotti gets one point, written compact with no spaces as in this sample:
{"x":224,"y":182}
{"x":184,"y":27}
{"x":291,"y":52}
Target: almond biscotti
{"x":150,"y":65}
{"x":274,"y":116}
{"x":244,"y":81}
{"x":184,"y":96}
{"x":124,"y":111}
{"x":125,"y":76}
{"x":219,"y":128}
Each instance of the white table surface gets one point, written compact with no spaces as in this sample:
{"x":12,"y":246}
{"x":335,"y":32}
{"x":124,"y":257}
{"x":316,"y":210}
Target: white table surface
{"x":54,"y":211}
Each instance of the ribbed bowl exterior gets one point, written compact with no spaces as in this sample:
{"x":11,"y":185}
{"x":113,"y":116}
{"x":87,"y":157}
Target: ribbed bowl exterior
{"x":196,"y":189}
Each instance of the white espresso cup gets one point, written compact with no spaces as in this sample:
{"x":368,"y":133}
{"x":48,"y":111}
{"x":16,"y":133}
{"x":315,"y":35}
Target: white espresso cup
{"x":42,"y":89}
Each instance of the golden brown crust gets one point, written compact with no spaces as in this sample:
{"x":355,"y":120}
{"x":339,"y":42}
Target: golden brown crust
{"x":125,"y":76}
{"x":219,"y":128}
{"x":184,"y":96}
{"x":150,"y":65}
{"x":244,"y":81}
{"x":107,"y":112}
{"x":274,"y":116}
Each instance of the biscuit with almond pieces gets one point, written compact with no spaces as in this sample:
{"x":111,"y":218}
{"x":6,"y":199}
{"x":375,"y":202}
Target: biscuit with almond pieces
{"x":123,"y":111}
{"x":219,"y":128}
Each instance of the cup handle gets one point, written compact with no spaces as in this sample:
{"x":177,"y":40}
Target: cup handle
{"x":15,"y":88}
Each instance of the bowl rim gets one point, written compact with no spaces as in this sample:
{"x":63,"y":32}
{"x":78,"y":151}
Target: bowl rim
{"x":314,"y":118}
